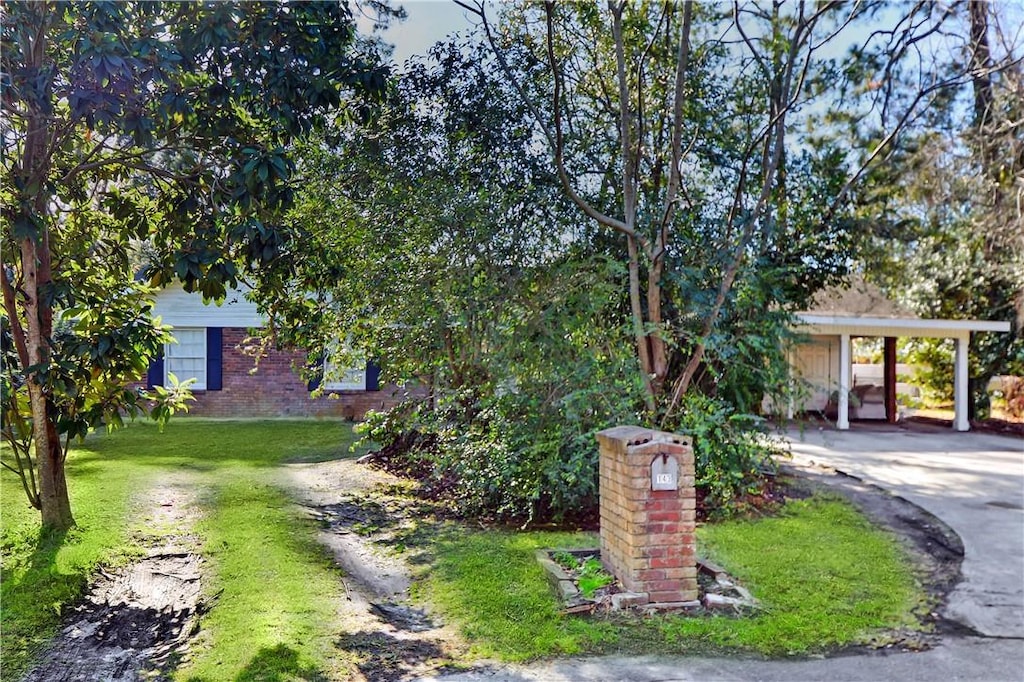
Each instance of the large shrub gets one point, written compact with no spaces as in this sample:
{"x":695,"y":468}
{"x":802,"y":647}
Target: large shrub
{"x":519,"y":446}
{"x":732,"y":450}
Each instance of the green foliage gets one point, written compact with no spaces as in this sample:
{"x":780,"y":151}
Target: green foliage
{"x":519,"y":441}
{"x":589,"y":571}
{"x":96,"y":348}
{"x":183,"y":136}
{"x":142,"y":127}
{"x":445,"y":249}
{"x":565,"y":559}
{"x":732,"y":452}
{"x":933,"y":365}
{"x":947,"y":220}
{"x":592,"y":577}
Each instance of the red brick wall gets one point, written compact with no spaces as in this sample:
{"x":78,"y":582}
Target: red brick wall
{"x":648,"y":537}
{"x":276,"y":390}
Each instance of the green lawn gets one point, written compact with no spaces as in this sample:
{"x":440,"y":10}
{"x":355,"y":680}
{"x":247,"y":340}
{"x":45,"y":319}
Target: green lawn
{"x":824,"y":575}
{"x":276,"y":586}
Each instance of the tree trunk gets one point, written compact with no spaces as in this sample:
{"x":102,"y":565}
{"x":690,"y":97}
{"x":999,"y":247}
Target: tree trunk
{"x":53,"y":490}
{"x":37,"y":277}
{"x":639,"y":333}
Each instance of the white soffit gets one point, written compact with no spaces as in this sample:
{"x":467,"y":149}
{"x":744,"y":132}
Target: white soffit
{"x":894,"y":326}
{"x":179,"y":308}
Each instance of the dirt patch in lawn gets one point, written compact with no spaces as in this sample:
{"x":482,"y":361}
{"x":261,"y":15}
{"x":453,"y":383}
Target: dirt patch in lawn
{"x":933,"y":546}
{"x":136,"y":620}
{"x":373,"y":529}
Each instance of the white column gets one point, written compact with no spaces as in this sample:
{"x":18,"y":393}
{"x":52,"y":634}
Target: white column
{"x":843,"y":422}
{"x":792,"y":374}
{"x":961,"y":396}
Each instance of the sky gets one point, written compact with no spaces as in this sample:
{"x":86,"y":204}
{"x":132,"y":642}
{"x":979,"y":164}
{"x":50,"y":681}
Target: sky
{"x":429,"y":21}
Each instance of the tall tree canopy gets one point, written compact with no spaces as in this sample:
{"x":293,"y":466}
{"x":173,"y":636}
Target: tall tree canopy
{"x":440,"y":244}
{"x":949,"y":207}
{"x":159,"y":123}
{"x":701,"y":137}
{"x":685,"y":162}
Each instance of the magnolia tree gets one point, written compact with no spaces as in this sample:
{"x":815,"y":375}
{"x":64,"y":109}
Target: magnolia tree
{"x":143,"y":124}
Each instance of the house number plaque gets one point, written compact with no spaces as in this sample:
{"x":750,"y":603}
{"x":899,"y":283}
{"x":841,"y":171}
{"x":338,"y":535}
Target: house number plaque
{"x":664,"y":473}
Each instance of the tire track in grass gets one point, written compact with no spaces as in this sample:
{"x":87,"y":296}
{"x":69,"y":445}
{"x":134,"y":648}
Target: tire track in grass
{"x":388,"y":636}
{"x":135,"y":621}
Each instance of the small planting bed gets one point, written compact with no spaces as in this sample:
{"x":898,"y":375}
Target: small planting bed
{"x":584,"y":586}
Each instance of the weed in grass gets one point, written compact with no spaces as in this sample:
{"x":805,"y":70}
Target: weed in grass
{"x":566,"y":559}
{"x":592,"y":577}
{"x":588,"y":571}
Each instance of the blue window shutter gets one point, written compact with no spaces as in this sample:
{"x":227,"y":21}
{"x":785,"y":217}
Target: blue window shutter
{"x":214,"y":359}
{"x":372,"y":376}
{"x":316,"y":367}
{"x":155,"y":374}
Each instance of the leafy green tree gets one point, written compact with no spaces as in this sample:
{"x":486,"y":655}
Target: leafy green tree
{"x":694,"y":135}
{"x":161,"y":123}
{"x":443,"y":247}
{"x":951,"y":237}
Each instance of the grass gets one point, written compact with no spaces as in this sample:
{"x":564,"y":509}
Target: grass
{"x":491,"y":584}
{"x":273,"y":616}
{"x":824,"y":575}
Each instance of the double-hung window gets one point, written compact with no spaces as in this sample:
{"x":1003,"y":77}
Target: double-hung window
{"x":186,"y":359}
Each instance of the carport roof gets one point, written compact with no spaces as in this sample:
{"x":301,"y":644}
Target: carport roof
{"x":860,"y":308}
{"x":863,"y":325}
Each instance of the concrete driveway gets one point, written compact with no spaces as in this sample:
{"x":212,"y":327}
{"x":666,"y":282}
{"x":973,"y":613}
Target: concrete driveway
{"x":974,"y":482}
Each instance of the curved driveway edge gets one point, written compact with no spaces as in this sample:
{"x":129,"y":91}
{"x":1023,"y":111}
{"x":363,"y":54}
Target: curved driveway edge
{"x":975,"y":659}
{"x":974,"y":482}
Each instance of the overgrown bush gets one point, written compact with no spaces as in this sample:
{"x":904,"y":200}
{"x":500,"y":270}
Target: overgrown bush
{"x":732,"y":451}
{"x":525,"y":454}
{"x":516,"y":460}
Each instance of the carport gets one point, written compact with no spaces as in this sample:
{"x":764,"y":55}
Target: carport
{"x":840,"y":329}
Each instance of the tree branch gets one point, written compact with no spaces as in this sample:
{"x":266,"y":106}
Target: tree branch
{"x":563,"y":177}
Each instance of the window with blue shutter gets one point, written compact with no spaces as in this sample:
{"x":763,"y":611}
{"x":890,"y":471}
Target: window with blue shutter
{"x":372,"y":376}
{"x":316,"y":367}
{"x":198,"y":354}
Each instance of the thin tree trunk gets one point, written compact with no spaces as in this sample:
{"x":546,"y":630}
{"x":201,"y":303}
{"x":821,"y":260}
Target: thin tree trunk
{"x":53,"y":490}
{"x":639,"y":334}
{"x":642,"y":324}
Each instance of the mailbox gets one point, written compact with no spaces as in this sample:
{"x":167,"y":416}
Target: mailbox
{"x":664,"y":473}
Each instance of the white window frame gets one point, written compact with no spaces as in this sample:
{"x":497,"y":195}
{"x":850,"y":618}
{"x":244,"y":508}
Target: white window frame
{"x":350,"y":379}
{"x":200,"y":383}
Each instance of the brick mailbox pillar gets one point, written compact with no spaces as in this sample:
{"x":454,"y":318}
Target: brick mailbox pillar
{"x":648,"y":513}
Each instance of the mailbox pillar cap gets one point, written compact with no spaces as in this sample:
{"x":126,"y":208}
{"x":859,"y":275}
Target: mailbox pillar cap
{"x":634,"y":436}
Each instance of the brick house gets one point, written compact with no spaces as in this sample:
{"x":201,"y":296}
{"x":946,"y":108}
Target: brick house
{"x":229,"y":382}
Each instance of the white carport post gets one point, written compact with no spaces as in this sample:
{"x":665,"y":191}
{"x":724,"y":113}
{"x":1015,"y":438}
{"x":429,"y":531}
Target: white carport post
{"x":790,"y":406}
{"x":961,"y":395}
{"x":843,"y":420}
